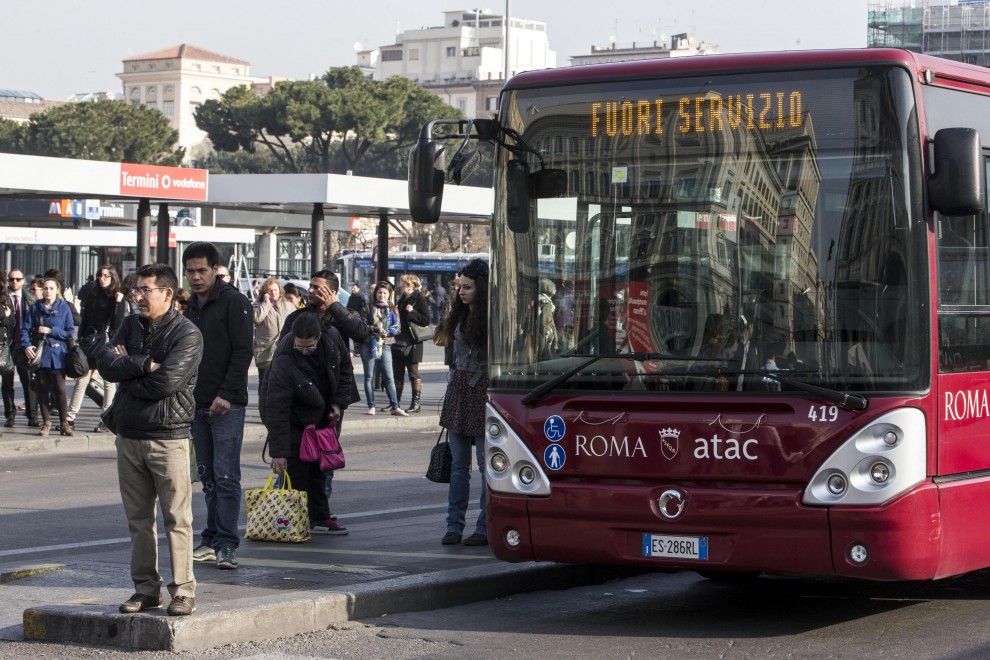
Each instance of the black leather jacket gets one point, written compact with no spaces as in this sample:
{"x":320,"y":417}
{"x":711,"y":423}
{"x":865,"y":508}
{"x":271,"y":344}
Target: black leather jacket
{"x":152,"y":405}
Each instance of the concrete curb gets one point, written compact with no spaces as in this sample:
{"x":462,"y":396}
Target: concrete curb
{"x":355,"y":421}
{"x":291,"y":614}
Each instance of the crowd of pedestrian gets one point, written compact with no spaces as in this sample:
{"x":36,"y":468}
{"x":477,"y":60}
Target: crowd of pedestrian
{"x":168,"y":368}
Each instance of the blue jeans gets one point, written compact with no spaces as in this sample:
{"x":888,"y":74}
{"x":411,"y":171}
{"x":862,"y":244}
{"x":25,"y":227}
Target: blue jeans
{"x":460,"y":482}
{"x":218,"y":440}
{"x":384,"y":363}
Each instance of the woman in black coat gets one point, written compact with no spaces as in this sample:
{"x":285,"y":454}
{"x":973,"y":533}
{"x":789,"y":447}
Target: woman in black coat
{"x":406,"y":353}
{"x":104,"y":310}
{"x":309,"y":382}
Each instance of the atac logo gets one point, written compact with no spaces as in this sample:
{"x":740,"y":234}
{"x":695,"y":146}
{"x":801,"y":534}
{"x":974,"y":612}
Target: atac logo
{"x":669,"y":442}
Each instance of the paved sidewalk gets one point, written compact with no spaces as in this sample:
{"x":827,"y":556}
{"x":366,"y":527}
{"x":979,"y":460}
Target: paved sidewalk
{"x":391,"y":562}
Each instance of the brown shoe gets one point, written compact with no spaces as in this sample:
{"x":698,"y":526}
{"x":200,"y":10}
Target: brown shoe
{"x":45,"y":428}
{"x":140,"y":603}
{"x":181,"y":606}
{"x":65,"y":429}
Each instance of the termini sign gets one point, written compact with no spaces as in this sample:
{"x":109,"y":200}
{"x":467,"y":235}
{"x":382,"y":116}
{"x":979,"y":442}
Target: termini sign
{"x":155,"y":181}
{"x":75,"y":179}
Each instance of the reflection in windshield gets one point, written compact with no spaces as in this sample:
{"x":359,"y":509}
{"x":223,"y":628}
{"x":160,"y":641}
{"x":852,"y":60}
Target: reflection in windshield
{"x":755,"y":224}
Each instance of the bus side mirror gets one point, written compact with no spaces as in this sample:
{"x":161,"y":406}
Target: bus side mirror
{"x":517,"y":199}
{"x":426,"y":175}
{"x":548,"y":183}
{"x":958,"y":186}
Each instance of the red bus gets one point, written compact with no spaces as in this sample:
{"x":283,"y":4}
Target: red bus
{"x":769,"y":276}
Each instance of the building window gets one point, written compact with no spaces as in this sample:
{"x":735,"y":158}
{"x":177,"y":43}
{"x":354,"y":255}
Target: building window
{"x":216,"y":69}
{"x":491,"y":103}
{"x":462,"y":105}
{"x":451,"y":51}
{"x":168,"y":108}
{"x":196,"y":91}
{"x":235,"y":71}
{"x":414,"y":53}
{"x":193,"y":107}
{"x":169,"y":90}
{"x":135,"y":67}
{"x":152,"y":67}
{"x":152,"y":91}
{"x":152,"y":105}
{"x":136,"y":93}
{"x":197,"y":67}
{"x":391,"y":56}
{"x":169,"y":66}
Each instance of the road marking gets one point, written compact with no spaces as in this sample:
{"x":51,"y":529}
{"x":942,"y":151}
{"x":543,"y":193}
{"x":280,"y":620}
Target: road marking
{"x":127,"y":539}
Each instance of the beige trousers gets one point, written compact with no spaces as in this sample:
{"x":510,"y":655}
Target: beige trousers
{"x":150,"y":471}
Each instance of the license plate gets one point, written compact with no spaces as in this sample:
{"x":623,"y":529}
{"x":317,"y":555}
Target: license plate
{"x":675,"y":547}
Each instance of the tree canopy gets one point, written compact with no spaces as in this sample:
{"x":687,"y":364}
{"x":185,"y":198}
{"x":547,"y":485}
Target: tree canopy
{"x":103,"y":130}
{"x":338,"y":123}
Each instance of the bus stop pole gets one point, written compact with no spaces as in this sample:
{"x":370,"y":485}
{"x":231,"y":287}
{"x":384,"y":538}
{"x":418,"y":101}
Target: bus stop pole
{"x":143,"y":233}
{"x":163,"y":227}
{"x":317,"y":245}
{"x":382,"y":246}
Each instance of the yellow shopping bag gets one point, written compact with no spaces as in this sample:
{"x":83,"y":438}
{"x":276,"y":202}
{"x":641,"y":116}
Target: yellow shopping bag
{"x":277,"y":514}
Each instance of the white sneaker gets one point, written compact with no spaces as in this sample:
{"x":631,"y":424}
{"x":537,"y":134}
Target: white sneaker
{"x":371,"y":410}
{"x":399,"y":412}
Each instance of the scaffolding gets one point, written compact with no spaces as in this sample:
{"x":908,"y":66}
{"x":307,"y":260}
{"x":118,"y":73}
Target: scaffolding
{"x":957,"y":32}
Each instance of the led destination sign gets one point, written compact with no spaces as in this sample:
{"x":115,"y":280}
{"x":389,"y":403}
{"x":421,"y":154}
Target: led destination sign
{"x":710,"y":112}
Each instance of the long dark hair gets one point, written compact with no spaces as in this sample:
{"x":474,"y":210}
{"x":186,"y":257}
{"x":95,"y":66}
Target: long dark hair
{"x":4,"y":295}
{"x":474,"y":323}
{"x":110,"y":291}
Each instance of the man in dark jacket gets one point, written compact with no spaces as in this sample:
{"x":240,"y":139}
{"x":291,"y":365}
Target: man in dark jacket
{"x":154,"y":356}
{"x":322,"y":301}
{"x":224,"y":317}
{"x":309,"y":383}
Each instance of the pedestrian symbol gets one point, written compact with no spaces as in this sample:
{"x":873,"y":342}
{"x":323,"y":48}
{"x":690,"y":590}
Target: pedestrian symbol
{"x":554,"y":428}
{"x":554,"y":457}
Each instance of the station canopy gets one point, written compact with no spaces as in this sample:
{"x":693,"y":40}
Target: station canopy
{"x":37,"y":177}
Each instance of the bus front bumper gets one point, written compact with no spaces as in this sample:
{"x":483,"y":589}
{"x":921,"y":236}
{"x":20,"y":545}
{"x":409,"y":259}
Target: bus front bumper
{"x":740,"y":529}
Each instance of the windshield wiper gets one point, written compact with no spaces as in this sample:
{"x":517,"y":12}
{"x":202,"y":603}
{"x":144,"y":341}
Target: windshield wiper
{"x":540,"y":391}
{"x":844,"y":399}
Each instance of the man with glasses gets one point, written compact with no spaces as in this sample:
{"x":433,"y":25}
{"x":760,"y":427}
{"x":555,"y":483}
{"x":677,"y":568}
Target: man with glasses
{"x":154,"y":356}
{"x":225,"y":318}
{"x":20,"y":302}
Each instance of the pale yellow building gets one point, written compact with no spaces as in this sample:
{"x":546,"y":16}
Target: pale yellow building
{"x":177,"y":80}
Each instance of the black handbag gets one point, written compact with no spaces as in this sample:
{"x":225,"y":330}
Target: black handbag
{"x":33,"y":364}
{"x":76,"y":364}
{"x":440,"y":460}
{"x":6,"y":359}
{"x":421,"y":333}
{"x":96,"y":391}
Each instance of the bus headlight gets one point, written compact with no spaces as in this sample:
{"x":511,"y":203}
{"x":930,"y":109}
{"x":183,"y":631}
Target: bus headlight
{"x":499,"y":462}
{"x":880,"y":461}
{"x":836,"y":484}
{"x":879,"y":472}
{"x":510,"y":467}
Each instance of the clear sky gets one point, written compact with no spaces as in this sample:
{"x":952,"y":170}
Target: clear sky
{"x":59,"y":47}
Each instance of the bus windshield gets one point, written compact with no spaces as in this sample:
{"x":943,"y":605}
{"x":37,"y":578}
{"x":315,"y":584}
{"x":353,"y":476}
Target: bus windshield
{"x":730,"y":224}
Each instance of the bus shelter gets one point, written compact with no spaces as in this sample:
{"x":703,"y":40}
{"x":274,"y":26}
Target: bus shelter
{"x":270,"y":201}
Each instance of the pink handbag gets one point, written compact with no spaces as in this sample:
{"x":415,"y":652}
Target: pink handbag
{"x":321,"y":445}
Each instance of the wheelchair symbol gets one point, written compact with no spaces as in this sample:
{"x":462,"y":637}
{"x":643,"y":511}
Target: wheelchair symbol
{"x":554,"y":428}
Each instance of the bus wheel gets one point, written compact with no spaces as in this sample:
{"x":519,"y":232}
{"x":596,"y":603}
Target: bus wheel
{"x":730,"y":576}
